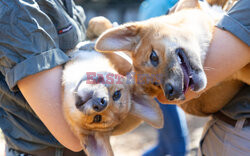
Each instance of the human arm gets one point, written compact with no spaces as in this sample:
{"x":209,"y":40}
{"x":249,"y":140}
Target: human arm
{"x":43,"y":93}
{"x":226,"y":55}
{"x":30,"y":44}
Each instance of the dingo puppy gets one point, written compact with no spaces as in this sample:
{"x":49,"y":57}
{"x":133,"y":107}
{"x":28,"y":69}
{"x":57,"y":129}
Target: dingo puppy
{"x":171,"y":50}
{"x":98,"y":102}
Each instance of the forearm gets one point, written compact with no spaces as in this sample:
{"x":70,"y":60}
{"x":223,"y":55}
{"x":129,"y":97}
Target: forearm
{"x":226,"y":55}
{"x":43,"y":93}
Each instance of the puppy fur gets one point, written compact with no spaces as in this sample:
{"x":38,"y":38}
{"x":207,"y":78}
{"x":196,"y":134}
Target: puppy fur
{"x":96,"y":26}
{"x":93,"y":110}
{"x":180,"y":41}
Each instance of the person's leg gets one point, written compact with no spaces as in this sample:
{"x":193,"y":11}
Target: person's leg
{"x":173,"y":137}
{"x":222,"y":139}
{"x":175,"y":131}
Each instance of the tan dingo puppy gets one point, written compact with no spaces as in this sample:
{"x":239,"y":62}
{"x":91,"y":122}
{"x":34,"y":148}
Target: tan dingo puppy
{"x":171,"y":51}
{"x":98,"y":102}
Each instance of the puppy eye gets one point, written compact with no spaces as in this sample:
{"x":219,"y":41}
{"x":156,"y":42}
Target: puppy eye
{"x":117,"y":95}
{"x":97,"y":119}
{"x":154,"y":58}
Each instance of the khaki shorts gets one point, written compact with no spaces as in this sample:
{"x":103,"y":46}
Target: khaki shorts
{"x":222,"y":139}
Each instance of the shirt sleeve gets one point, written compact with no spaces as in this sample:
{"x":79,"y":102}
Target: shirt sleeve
{"x":237,"y":21}
{"x":28,"y":41}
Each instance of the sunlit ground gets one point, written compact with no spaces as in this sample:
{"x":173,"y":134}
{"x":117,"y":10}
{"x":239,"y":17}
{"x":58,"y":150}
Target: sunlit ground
{"x":1,"y":143}
{"x":144,"y":137}
{"x":138,"y":141}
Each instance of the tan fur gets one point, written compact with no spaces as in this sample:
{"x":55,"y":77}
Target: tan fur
{"x":225,"y":4}
{"x":97,"y":26}
{"x":215,"y":98}
{"x":120,"y":65}
{"x":118,"y":117}
{"x":212,"y":100}
{"x":190,"y":27}
{"x":217,"y":2}
{"x":161,"y":35}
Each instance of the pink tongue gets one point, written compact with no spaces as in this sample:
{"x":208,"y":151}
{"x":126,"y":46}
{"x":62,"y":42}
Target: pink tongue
{"x":186,"y":79}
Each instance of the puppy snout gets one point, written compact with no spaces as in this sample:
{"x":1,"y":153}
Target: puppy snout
{"x":99,"y":104}
{"x":171,"y":92}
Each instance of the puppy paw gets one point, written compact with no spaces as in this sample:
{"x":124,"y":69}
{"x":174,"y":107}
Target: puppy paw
{"x":97,"y":26}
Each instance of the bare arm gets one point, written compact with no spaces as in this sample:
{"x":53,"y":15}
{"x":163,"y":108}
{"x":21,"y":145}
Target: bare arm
{"x":43,"y":93}
{"x":226,"y":55}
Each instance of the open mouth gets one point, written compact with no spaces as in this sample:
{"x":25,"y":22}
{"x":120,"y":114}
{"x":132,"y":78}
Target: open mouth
{"x":186,"y":69}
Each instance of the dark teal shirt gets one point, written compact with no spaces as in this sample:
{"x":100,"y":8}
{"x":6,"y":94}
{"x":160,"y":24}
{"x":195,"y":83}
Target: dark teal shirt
{"x":34,"y":36}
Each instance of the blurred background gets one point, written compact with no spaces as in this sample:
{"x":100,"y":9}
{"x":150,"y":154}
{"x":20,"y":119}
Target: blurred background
{"x":119,"y":11}
{"x":138,"y":141}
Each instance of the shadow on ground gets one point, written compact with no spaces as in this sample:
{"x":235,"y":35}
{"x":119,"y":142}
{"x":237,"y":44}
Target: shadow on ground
{"x":144,"y":137}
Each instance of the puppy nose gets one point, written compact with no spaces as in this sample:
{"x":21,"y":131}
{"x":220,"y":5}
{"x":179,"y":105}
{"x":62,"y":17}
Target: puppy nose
{"x":171,"y":92}
{"x":99,"y":104}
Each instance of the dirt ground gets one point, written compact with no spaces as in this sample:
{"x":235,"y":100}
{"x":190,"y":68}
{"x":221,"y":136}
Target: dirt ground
{"x":138,"y":141}
{"x":1,"y":143}
{"x":144,"y":137}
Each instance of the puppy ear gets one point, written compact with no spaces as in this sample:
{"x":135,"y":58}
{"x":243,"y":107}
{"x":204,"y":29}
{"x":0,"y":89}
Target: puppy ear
{"x":120,"y":61}
{"x":185,"y":4}
{"x":97,"y":144}
{"x":147,"y":109}
{"x":128,"y":124}
{"x":121,"y":38}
